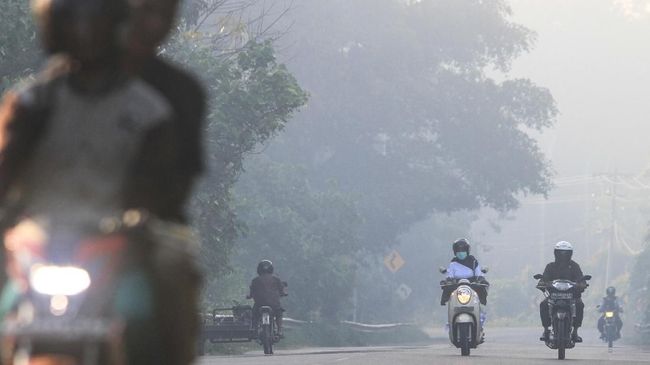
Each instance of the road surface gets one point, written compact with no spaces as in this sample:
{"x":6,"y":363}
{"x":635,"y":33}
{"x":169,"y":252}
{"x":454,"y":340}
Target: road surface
{"x":503,"y":346}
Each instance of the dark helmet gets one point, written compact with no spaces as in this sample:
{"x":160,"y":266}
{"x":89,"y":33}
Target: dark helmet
{"x":86,"y":30}
{"x":563,"y":251}
{"x":461,"y":245}
{"x":611,"y":291}
{"x":265,"y":267}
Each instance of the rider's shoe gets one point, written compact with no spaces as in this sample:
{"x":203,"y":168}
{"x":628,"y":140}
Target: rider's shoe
{"x":575,"y":337}
{"x":545,"y":335}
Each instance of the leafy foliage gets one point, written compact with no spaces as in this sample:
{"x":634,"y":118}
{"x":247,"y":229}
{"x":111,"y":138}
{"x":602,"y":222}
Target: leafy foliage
{"x":251,"y":98}
{"x":311,"y":235}
{"x":409,"y":119}
{"x":19,"y":55}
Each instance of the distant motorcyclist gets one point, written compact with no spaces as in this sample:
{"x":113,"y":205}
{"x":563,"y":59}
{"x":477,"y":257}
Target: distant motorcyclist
{"x":464,"y":266}
{"x":266,"y":290}
{"x":563,"y":268}
{"x":610,"y":303}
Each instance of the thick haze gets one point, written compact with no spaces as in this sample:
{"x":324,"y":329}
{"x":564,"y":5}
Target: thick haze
{"x":593,"y":55}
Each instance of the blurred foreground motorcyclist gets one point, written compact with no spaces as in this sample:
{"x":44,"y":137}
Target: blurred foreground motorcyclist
{"x":563,"y":268}
{"x":464,"y":266}
{"x":610,"y":303}
{"x":86,"y":117}
{"x":266,"y":290}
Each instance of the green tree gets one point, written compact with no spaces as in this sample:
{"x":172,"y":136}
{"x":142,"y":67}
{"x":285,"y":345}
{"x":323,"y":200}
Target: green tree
{"x":311,"y":236}
{"x":405,"y":113}
{"x":251,"y":98}
{"x":19,"y":54}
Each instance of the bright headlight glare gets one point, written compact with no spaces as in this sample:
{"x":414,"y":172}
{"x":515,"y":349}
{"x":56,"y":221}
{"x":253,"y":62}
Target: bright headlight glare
{"x":59,"y":280}
{"x":562,"y":285}
{"x":464,"y":295}
{"x":609,"y":314}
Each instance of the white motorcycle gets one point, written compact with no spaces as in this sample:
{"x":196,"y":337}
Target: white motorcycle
{"x":464,"y":312}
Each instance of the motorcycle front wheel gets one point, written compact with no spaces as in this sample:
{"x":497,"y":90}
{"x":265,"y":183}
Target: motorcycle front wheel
{"x":561,"y":338}
{"x":464,"y":332}
{"x":610,"y":336}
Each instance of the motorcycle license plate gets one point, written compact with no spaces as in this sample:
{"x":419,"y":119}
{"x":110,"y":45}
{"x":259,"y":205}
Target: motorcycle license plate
{"x":80,"y":329}
{"x":266,"y":319}
{"x":561,"y":295}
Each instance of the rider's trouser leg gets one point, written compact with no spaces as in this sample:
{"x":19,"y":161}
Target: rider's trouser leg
{"x":601,"y":324}
{"x":278,"y":321}
{"x":580,"y":313}
{"x":544,"y":314}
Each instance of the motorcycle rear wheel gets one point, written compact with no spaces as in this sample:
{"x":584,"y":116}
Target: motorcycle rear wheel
{"x":267,"y":340}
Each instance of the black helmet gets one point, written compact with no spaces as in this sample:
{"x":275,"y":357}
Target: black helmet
{"x":83,"y":29}
{"x":265,"y":267}
{"x":461,"y":245}
{"x":611,"y":291}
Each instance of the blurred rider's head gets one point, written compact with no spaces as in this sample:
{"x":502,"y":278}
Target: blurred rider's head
{"x":611,"y":291}
{"x":88,"y":31}
{"x":151,"y":21}
{"x":563,"y":252}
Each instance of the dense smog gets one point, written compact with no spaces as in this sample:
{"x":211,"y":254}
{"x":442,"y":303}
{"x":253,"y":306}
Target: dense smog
{"x":319,"y":182}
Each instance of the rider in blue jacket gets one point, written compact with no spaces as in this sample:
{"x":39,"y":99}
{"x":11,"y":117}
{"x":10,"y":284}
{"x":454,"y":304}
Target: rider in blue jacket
{"x":464,"y":266}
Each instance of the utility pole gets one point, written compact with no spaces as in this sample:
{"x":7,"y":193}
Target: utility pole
{"x":612,"y":236}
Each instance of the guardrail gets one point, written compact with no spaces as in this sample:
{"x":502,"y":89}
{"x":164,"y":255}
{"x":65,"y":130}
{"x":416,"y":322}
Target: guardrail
{"x":362,"y":327}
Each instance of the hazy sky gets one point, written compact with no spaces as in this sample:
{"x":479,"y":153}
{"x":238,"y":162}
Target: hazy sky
{"x":594,"y":56}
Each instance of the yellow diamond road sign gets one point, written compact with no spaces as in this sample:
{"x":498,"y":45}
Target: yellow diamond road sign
{"x":394,"y":261}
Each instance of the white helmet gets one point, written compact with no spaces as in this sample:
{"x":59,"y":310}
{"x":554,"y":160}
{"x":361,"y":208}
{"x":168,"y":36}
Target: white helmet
{"x":564,"y":246}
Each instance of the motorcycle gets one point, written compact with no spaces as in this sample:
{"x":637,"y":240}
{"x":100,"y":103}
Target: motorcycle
{"x":562,"y":296}
{"x":464,"y":312}
{"x":266,"y":330}
{"x":64,"y":286}
{"x":610,"y":325}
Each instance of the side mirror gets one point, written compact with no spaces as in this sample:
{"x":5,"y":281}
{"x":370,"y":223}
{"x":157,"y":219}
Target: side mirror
{"x":485,"y":270}
{"x":443,"y":270}
{"x":586,"y":277}
{"x":538,"y":276}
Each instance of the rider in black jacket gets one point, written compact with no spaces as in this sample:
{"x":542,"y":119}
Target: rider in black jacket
{"x":563,"y":268}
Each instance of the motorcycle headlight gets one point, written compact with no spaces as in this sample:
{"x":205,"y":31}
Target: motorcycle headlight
{"x":464,"y":295}
{"x":562,"y":285}
{"x":609,"y":314}
{"x":59,"y":280}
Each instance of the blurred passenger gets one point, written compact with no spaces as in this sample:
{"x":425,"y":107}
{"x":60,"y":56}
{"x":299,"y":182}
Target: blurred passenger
{"x":108,"y":127}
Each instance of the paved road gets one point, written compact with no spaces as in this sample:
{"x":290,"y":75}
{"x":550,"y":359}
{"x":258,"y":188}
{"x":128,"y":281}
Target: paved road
{"x":504,"y":346}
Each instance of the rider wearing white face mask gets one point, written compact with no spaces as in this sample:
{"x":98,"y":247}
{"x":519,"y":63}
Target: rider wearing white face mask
{"x":464,"y":266}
